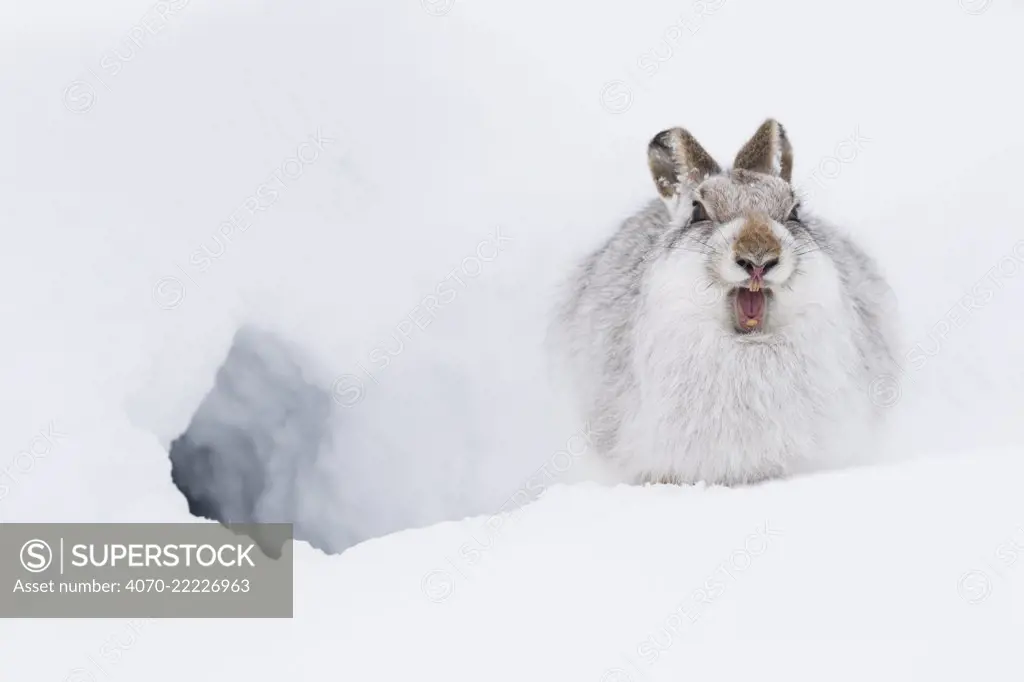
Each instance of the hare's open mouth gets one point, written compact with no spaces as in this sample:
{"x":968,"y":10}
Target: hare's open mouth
{"x":750,"y":308}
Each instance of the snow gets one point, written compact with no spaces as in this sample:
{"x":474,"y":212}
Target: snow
{"x":152,"y":213}
{"x":839,"y":576}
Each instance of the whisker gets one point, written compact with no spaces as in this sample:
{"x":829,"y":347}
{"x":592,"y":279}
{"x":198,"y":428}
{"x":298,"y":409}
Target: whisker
{"x":700,"y":241}
{"x":702,"y":252}
{"x":697,"y":241}
{"x":721,"y":236}
{"x":802,"y":247}
{"x":689,"y":244}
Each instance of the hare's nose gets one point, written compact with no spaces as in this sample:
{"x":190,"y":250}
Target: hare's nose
{"x":756,"y":270}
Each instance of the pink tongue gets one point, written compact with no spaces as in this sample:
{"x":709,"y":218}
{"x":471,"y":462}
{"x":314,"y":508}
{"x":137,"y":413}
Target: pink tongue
{"x":751,"y":303}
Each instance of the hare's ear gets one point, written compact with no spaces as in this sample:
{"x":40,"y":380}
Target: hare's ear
{"x":768,"y":151}
{"x":678,"y":164}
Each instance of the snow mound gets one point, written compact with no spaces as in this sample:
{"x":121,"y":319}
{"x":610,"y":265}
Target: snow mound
{"x":907,"y":572}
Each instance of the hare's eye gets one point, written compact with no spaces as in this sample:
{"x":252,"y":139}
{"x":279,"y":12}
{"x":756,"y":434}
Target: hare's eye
{"x":699,"y":214}
{"x":794,"y":215}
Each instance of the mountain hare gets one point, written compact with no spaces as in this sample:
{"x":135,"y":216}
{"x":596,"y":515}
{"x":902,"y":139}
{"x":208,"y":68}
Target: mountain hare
{"x":722,"y":334}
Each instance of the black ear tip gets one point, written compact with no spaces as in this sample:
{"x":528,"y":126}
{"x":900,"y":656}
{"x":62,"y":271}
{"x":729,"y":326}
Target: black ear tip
{"x":662,"y":141}
{"x":778,"y":126}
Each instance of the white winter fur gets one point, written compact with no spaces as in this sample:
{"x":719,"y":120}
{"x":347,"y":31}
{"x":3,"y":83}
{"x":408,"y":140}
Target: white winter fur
{"x":735,"y":408}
